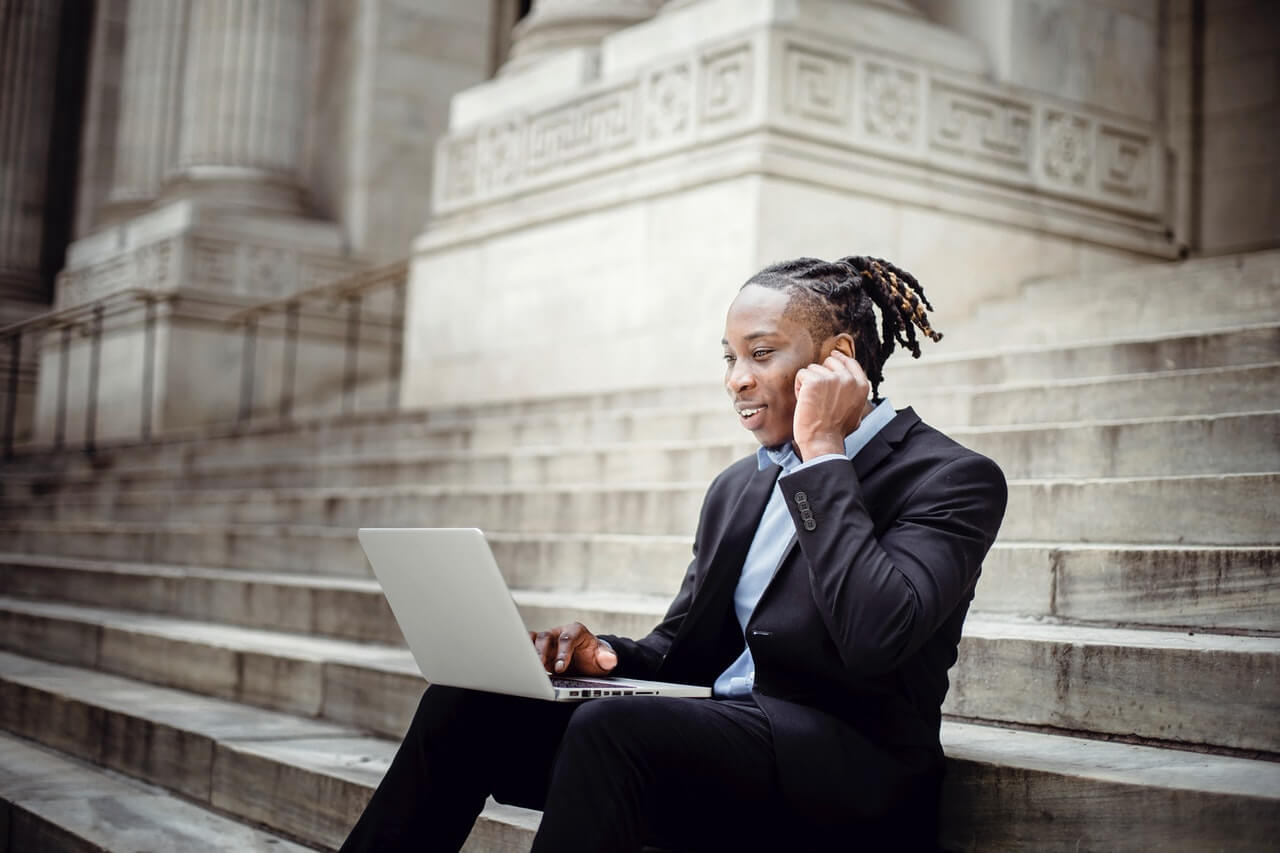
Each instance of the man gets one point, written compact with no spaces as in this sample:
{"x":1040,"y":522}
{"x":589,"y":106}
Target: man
{"x":830,"y":580}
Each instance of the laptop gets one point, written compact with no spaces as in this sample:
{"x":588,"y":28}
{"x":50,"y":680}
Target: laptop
{"x":462,"y":625}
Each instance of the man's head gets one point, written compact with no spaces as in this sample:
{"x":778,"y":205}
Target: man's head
{"x":793,"y":314}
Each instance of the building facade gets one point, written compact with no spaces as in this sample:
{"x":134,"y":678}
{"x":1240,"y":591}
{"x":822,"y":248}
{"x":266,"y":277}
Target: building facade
{"x":591,"y":178}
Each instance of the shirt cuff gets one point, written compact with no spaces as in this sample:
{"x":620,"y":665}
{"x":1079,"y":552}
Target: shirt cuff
{"x":818,"y":460}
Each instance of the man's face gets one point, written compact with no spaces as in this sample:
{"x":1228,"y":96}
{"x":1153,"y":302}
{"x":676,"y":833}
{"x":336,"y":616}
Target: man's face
{"x":764,"y":348}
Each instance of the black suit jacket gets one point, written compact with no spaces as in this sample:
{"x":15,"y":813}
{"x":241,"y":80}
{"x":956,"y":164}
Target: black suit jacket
{"x":853,"y":637}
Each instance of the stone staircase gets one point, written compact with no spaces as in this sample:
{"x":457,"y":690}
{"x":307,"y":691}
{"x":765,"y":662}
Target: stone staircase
{"x":189,"y":630}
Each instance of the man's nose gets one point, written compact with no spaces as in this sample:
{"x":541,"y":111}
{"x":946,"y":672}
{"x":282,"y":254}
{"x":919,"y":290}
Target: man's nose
{"x":740,"y":378}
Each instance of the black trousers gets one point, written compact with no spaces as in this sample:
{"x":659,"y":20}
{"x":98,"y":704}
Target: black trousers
{"x":609,"y":774}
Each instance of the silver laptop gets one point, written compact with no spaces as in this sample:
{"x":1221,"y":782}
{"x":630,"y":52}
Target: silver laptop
{"x":446,"y":592}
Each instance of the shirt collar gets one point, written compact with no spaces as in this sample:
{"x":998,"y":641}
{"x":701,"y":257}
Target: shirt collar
{"x":785,"y":455}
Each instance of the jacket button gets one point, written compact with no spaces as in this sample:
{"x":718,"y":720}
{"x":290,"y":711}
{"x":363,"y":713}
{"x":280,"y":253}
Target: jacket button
{"x":801,"y":498}
{"x":810,"y":524}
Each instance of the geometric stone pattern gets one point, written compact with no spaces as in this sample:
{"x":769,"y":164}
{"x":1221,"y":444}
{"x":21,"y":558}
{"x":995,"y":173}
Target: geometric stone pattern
{"x":239,"y":267}
{"x":853,"y":99}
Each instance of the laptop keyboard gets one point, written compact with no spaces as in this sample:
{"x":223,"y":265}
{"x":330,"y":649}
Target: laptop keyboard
{"x":557,"y":681}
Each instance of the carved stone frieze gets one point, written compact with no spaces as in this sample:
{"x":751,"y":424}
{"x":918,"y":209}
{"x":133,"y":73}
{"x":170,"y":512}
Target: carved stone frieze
{"x":975,"y":125}
{"x":1125,"y":163}
{"x":213,"y":263}
{"x":891,"y":99}
{"x":726,"y":84}
{"x":668,"y":108}
{"x":269,"y":271}
{"x":1067,"y":150}
{"x":824,"y":92}
{"x":582,"y":131}
{"x":817,"y":84}
{"x":499,"y":155}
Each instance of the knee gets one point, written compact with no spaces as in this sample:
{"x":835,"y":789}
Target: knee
{"x":617,"y":725}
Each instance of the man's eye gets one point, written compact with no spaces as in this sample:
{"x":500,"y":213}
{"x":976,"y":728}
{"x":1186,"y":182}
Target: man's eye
{"x":729,"y":359}
{"x":760,"y":353}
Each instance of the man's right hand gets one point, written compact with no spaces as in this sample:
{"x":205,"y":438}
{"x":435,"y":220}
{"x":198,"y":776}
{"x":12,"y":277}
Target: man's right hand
{"x":573,"y":650}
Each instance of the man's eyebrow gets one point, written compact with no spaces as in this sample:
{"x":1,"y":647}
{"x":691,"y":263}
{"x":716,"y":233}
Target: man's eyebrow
{"x":751,"y":337}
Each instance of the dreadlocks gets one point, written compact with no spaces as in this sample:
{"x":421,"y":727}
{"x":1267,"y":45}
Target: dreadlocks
{"x":830,"y":298}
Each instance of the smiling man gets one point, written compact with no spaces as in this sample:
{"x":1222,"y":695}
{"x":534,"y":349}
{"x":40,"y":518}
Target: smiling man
{"x":831,"y":575}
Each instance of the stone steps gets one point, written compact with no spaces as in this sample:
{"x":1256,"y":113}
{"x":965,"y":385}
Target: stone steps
{"x":309,"y":779}
{"x":1199,"y":295}
{"x":57,"y":804}
{"x":1228,"y":509}
{"x":1012,"y":790}
{"x":689,"y":411}
{"x":1198,"y":444}
{"x":301,"y":777}
{"x":1100,"y":680}
{"x":1208,"y":587}
{"x":1039,"y":362}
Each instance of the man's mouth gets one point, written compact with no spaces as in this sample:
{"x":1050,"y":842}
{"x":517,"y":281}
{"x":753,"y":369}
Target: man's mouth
{"x":750,"y":415}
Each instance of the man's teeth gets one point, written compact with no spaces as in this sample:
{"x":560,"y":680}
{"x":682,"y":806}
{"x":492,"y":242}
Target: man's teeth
{"x":746,"y":413}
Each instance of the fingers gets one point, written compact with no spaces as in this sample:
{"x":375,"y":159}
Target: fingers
{"x":560,"y":647}
{"x":566,"y":644}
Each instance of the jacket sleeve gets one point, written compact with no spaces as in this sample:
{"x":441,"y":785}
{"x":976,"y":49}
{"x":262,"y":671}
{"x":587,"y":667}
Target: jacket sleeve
{"x":882,"y":598}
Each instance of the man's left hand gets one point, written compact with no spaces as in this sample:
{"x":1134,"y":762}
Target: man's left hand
{"x":830,"y":401}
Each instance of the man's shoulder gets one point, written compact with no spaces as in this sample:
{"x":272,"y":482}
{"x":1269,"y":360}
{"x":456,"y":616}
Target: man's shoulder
{"x":943,"y":451}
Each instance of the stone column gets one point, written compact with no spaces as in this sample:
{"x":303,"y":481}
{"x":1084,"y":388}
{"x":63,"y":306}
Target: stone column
{"x":556,"y":25}
{"x":903,"y":6}
{"x":28,"y":65}
{"x":150,"y":102}
{"x":243,"y":104}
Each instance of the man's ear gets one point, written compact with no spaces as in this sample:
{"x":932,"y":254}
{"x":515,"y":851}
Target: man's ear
{"x":842,"y":342}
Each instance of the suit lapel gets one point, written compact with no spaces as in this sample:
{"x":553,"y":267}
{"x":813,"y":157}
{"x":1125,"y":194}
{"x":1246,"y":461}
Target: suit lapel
{"x":739,"y":531}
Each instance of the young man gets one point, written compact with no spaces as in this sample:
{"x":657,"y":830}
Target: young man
{"x":830,"y":580}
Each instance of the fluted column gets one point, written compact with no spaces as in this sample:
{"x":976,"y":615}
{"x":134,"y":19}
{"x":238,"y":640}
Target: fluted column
{"x":28,"y":65}
{"x":243,"y":103}
{"x":150,"y":101}
{"x":556,"y":25}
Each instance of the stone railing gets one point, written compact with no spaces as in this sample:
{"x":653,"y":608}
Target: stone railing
{"x":144,"y":361}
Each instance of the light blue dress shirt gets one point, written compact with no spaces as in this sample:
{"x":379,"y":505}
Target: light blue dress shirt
{"x":773,"y":535}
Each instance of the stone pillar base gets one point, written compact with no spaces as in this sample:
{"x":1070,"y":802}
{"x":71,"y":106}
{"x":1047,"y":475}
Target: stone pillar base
{"x":608,"y":227}
{"x":214,"y":261}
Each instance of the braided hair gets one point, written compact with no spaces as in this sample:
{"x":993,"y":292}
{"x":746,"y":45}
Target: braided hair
{"x":838,"y":297}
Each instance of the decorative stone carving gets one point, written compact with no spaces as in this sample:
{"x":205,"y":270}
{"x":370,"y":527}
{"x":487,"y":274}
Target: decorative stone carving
{"x":152,"y":265}
{"x":269,"y":272}
{"x":1067,"y":155}
{"x":669,"y":102}
{"x":499,"y":155}
{"x":460,"y":176}
{"x":978,"y":126}
{"x":817,"y":84}
{"x":582,"y":130}
{"x":726,"y":84}
{"x":213,"y":263}
{"x":830,"y":96}
{"x":1124,"y":163}
{"x":891,"y":106}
